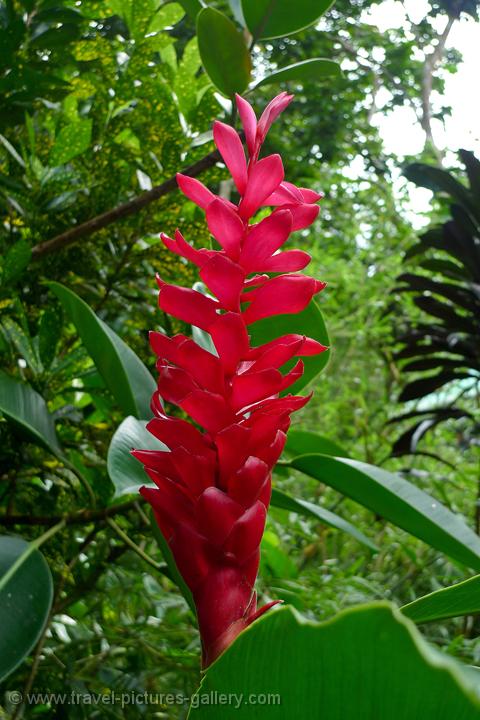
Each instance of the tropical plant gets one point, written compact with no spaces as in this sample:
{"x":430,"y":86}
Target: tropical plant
{"x":102,"y":103}
{"x":214,"y":487}
{"x":439,"y":348}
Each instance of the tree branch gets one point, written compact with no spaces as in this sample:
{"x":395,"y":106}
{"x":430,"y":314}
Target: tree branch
{"x":431,"y":62}
{"x":131,"y":207}
{"x":133,"y":546}
{"x":81,"y":517}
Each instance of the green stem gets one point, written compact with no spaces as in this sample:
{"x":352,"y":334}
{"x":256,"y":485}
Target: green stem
{"x":83,"y":480}
{"x":128,"y":541}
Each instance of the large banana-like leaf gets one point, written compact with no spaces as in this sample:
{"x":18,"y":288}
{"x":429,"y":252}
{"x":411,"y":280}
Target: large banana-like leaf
{"x":26,"y":593}
{"x":276,"y":18}
{"x":127,"y":378}
{"x":310,"y":323}
{"x":367,"y":663}
{"x":460,"y":599}
{"x":444,"y":285}
{"x":313,"y":510}
{"x":21,"y":404}
{"x":398,"y":501}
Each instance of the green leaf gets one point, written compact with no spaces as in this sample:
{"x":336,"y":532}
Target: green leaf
{"x":127,"y":473}
{"x":49,"y":331}
{"x":398,"y":501}
{"x":309,"y":322}
{"x":366,"y":663}
{"x":308,"y":509}
{"x":302,"y":442}
{"x":186,"y":90}
{"x":72,"y":140}
{"x":237,"y":12}
{"x":11,"y":150}
{"x":460,"y":599}
{"x":439,"y":180}
{"x":274,"y":560}
{"x":16,"y":260}
{"x":306,"y":71}
{"x":128,"y":139}
{"x":55,"y":37}
{"x":23,"y":344}
{"x":472,"y":167}
{"x":168,"y":15}
{"x":124,"y":373}
{"x":224,"y":54}
{"x":427,"y":385}
{"x":191,"y":7}
{"x":26,"y":594}
{"x":277,"y":18}
{"x":26,"y":408}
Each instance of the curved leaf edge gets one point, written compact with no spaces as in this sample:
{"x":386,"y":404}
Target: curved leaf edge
{"x":413,"y":610}
{"x":30,"y":548}
{"x":429,"y":653}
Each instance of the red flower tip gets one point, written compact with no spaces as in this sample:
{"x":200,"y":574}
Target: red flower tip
{"x":271,"y":112}
{"x":261,"y":611}
{"x":212,"y":483}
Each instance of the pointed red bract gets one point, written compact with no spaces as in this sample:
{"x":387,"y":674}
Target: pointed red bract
{"x":231,"y":149}
{"x":271,"y":112}
{"x":249,"y":122}
{"x":211,"y":486}
{"x":195,"y":190}
{"x":263,"y":178}
{"x":280,"y":295}
{"x":264,"y":239}
{"x":226,"y":227}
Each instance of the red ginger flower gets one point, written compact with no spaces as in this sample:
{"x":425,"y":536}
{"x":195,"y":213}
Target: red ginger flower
{"x":214,"y":485}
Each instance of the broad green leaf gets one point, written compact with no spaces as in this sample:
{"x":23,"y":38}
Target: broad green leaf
{"x":224,"y":54}
{"x":472,"y":167}
{"x":167,"y":15}
{"x":309,"y":322}
{"x":55,"y":37}
{"x":9,"y":147}
{"x":16,"y":260}
{"x":439,"y":180}
{"x":124,"y":373}
{"x":191,"y":7}
{"x":58,"y":15}
{"x":237,"y":12}
{"x":173,"y":572}
{"x":186,"y":90}
{"x":275,"y":560}
{"x":306,"y":71}
{"x":427,"y":385}
{"x":460,"y":599}
{"x":22,"y":343}
{"x":128,"y":139}
{"x":277,"y":18}
{"x":26,"y":594}
{"x":22,"y":405}
{"x":49,"y":331}
{"x":302,"y":442}
{"x":309,"y":509}
{"x":72,"y":140}
{"x":127,"y":473}
{"x":366,"y":663}
{"x":398,"y":501}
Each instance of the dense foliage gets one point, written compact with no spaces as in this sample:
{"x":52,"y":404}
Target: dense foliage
{"x":100,"y":104}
